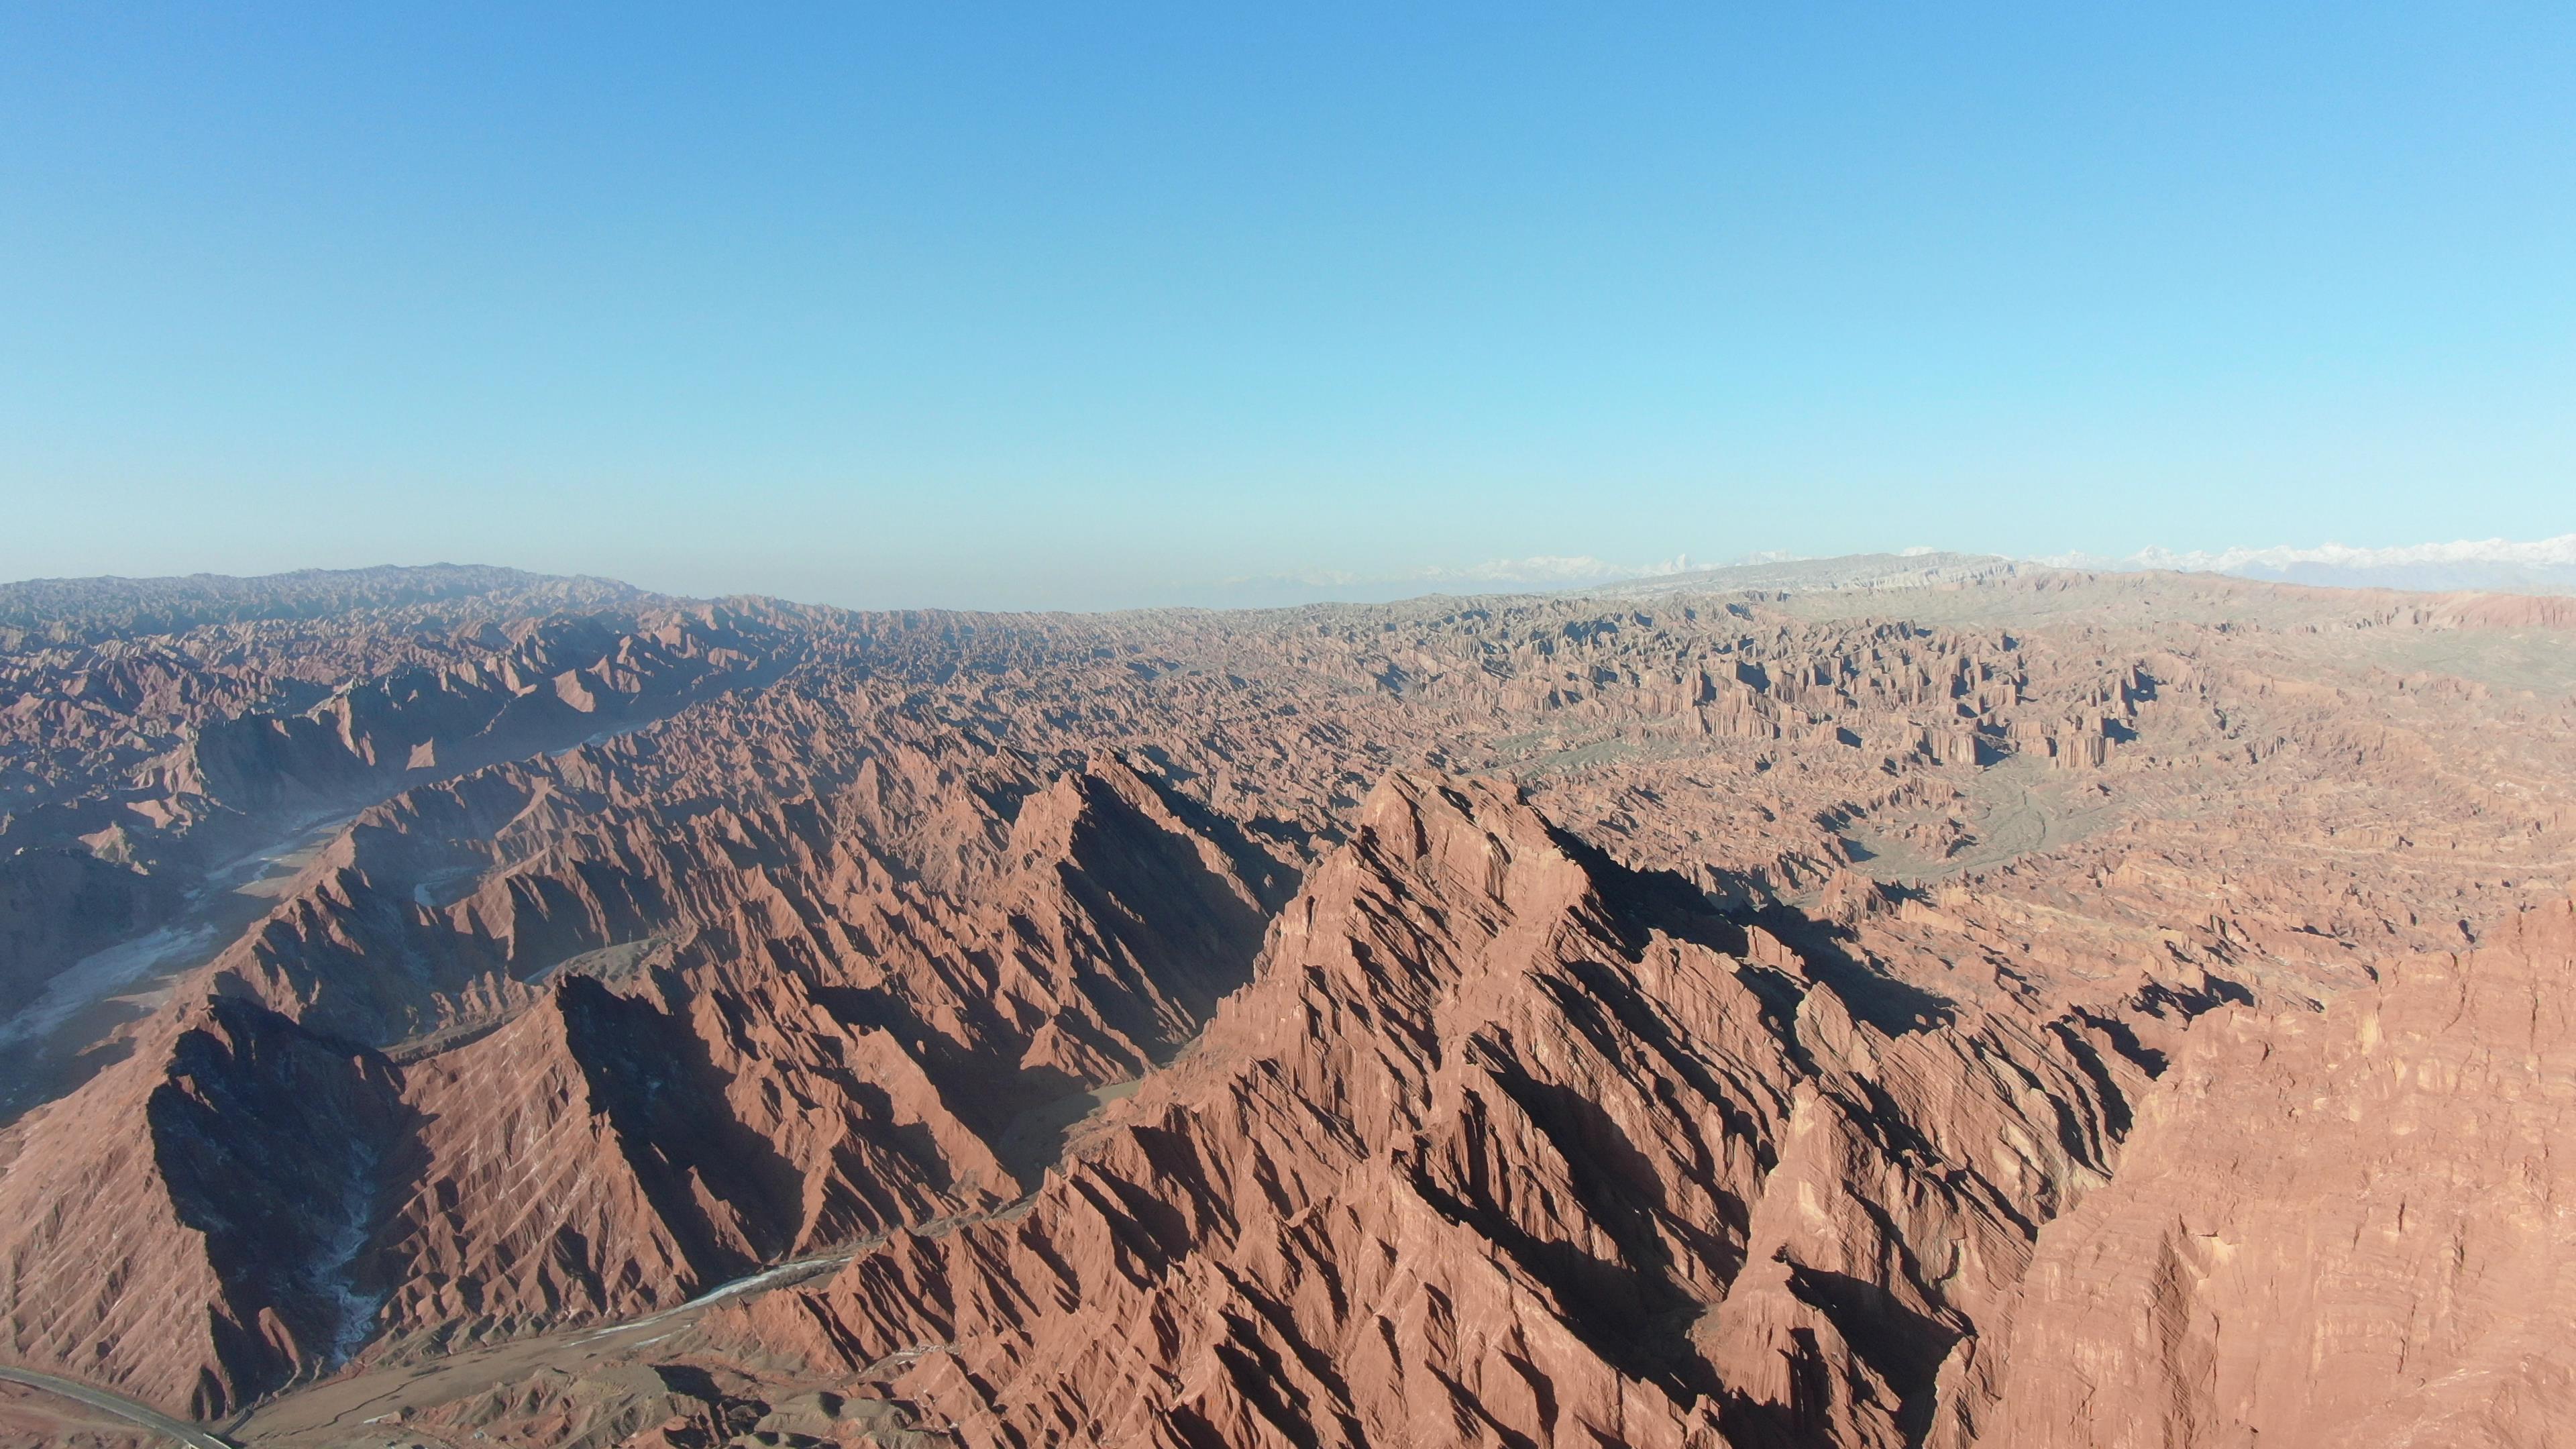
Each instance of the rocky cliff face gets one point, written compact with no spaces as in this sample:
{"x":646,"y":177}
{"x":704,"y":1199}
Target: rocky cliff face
{"x":1504,"y":1144}
{"x":188,"y":1232}
{"x":2354,"y":1226}
{"x":814,"y":1048}
{"x":2030,"y":1009}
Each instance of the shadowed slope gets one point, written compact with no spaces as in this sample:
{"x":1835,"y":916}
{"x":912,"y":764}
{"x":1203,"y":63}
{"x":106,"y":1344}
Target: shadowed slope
{"x":1500,"y":1147}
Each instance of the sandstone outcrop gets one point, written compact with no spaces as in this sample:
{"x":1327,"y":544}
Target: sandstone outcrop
{"x":185,"y":1233}
{"x":2355,"y":1226}
{"x":1773,"y":1016}
{"x":1505,"y":1144}
{"x":816,"y":1049}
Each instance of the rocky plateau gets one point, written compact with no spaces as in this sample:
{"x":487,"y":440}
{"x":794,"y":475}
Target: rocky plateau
{"x":1953,"y":1004}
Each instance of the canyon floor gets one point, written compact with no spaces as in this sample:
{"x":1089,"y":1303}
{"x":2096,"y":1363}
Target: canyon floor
{"x":1887,"y":1002}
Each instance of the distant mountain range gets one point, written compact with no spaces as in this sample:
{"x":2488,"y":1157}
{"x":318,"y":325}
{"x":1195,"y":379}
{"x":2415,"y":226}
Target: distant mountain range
{"x":1912,"y":568}
{"x":2543,"y":566}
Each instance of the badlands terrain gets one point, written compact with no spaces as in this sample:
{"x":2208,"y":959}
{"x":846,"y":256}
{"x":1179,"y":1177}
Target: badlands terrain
{"x":1887,"y":1002}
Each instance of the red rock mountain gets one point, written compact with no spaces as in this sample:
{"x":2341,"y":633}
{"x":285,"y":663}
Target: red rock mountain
{"x":2351,"y":1226}
{"x":1968,"y":1007}
{"x":1504,"y":1144}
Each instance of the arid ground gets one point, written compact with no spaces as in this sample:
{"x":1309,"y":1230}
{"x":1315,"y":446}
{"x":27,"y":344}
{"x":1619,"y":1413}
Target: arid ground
{"x":1870,"y":1003}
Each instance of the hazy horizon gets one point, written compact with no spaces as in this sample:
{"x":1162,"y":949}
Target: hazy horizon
{"x":2524,"y":566}
{"x":1140,"y":304}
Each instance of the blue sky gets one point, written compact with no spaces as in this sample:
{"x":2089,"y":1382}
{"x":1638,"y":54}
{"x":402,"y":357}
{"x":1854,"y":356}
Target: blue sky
{"x":1070,"y":306}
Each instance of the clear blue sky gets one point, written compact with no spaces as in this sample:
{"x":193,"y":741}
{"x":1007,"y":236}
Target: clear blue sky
{"x":1088,"y":304}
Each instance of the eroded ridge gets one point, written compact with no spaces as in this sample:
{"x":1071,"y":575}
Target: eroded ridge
{"x":1681,"y":1017}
